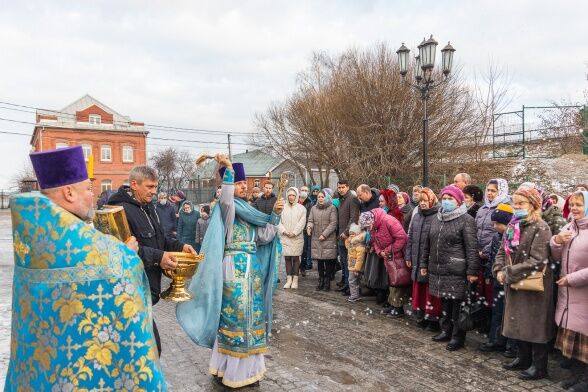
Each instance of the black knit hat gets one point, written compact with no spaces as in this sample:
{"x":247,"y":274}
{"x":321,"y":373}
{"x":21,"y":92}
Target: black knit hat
{"x":475,"y":192}
{"x":502,"y":214}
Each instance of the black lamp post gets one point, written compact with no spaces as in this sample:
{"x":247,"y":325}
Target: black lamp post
{"x":423,"y":75}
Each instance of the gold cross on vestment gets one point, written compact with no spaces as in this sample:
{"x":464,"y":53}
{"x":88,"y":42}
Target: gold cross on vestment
{"x":70,"y":347}
{"x":68,"y":252}
{"x":41,"y":301}
{"x":132,"y":344}
{"x":100,"y":296}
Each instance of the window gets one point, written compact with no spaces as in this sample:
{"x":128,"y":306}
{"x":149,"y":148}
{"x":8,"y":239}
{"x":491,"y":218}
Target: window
{"x":127,"y":153}
{"x":105,"y":185}
{"x":95,"y":119}
{"x":87,"y":149}
{"x":61,"y":145}
{"x":256,"y":183}
{"x":105,"y":153}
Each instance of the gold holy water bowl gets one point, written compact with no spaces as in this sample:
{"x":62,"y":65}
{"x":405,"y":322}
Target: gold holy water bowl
{"x":187,"y":266}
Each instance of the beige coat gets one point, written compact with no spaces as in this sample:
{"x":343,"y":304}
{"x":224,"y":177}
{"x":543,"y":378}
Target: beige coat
{"x":294,"y":221}
{"x":323,"y":221}
{"x":528,"y":315}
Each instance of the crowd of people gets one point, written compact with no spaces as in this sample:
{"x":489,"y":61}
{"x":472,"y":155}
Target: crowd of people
{"x":511,"y":263}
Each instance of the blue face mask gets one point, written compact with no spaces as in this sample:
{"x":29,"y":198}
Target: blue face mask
{"x":521,"y":214}
{"x":447,"y":205}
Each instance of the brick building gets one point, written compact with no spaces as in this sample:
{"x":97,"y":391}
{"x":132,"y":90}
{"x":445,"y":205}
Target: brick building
{"x":116,"y":143}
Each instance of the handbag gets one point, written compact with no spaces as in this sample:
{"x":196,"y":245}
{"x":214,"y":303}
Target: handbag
{"x":471,"y":312}
{"x":533,"y":282}
{"x":398,"y":271}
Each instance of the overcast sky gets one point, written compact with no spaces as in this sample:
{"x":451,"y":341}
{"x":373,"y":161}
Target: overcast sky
{"x":213,"y":65}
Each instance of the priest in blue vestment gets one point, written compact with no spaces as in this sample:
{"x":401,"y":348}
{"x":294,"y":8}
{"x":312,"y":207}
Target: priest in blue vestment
{"x":81,"y":305}
{"x":231,"y":311}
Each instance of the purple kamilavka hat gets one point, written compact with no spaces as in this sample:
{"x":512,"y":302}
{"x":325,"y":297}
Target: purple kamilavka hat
{"x":55,"y":168}
{"x":239,"y":172}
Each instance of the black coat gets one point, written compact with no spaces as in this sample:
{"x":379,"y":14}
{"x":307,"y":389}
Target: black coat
{"x":167,"y":218}
{"x":265,"y":204}
{"x":418,"y":235}
{"x":450,"y":254}
{"x":374,"y":202}
{"x":146,"y":227}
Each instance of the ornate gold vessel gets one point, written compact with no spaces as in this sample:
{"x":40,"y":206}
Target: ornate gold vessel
{"x":187,"y":265}
{"x":113,"y":220}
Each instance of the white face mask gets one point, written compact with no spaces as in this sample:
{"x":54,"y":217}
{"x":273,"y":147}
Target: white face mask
{"x":163,"y":202}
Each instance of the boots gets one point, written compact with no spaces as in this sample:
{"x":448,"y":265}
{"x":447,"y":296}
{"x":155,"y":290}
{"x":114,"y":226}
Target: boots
{"x":294,"y":282}
{"x":321,"y":284}
{"x":288,"y":282}
{"x":457,"y":339}
{"x":538,"y":369}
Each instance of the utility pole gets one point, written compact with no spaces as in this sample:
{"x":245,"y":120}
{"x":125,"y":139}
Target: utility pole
{"x":230,"y":154}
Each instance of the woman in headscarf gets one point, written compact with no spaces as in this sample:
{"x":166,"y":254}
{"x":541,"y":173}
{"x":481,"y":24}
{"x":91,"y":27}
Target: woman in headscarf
{"x":570,"y":247}
{"x":528,"y":315}
{"x":426,"y":306}
{"x":451,"y":261}
{"x":322,"y":227}
{"x":290,"y":229}
{"x":388,"y":240}
{"x":187,"y":224}
{"x":406,"y":209}
{"x":496,"y":193}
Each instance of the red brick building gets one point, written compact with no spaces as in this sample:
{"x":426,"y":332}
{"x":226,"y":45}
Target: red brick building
{"x":116,"y":143}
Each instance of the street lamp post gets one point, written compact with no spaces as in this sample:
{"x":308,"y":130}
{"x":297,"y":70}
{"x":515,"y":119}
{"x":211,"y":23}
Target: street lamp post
{"x":424,"y":82}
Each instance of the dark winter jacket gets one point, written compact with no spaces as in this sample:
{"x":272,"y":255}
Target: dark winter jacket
{"x":145,"y":225}
{"x":473,"y":210}
{"x":406,"y":211}
{"x":307,"y":203}
{"x":265,"y":204}
{"x":451,"y":253}
{"x":201,"y":228}
{"x":494,"y":246}
{"x":187,"y":225}
{"x":348,"y":212}
{"x":374,"y":202}
{"x":418,"y":235}
{"x":167,"y":218}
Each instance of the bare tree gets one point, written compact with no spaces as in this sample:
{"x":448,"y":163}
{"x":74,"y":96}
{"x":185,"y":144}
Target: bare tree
{"x":353,"y":113}
{"x":22,"y":179}
{"x":175,"y":168}
{"x":490,"y":95}
{"x":562,"y":126}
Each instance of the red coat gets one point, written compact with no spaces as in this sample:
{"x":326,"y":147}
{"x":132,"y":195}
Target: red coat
{"x":388,"y":235}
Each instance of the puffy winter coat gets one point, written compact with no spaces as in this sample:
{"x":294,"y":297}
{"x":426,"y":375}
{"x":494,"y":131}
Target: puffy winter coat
{"x":294,"y":221}
{"x":451,"y":253}
{"x":265,"y":204}
{"x":372,"y":203}
{"x":572,"y":301}
{"x":387,"y":235}
{"x":323,"y":221}
{"x":484,"y":226}
{"x":167,"y":218}
{"x":418,"y":235}
{"x":554,"y":218}
{"x":528,"y":315}
{"x":187,"y":225}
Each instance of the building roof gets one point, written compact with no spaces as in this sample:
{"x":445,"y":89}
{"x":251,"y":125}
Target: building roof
{"x":66,"y":118}
{"x":257,"y":164}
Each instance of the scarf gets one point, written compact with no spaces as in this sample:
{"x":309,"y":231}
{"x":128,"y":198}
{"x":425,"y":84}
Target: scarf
{"x":449,"y":216}
{"x":512,"y":235}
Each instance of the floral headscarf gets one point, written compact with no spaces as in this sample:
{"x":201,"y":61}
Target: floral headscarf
{"x":366,"y":219}
{"x":501,"y":197}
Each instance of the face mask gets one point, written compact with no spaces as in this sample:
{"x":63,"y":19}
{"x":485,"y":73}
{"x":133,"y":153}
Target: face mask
{"x":163,"y":202}
{"x":447,"y":205}
{"x":521,"y":214}
{"x":304,"y":195}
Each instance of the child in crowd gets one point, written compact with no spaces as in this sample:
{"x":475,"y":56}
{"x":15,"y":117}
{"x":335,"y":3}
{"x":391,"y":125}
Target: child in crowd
{"x":202,"y":226}
{"x":501,"y":216}
{"x":355,"y":245}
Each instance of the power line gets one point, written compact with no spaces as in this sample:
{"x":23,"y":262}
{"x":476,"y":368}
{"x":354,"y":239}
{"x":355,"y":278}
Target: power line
{"x":166,"y":127}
